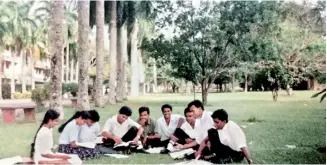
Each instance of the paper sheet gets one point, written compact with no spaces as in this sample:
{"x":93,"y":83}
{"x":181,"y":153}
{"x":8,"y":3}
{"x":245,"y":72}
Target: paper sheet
{"x":194,"y":162}
{"x":118,"y":156}
{"x":181,"y":154}
{"x":154,"y":150}
{"x":11,"y":161}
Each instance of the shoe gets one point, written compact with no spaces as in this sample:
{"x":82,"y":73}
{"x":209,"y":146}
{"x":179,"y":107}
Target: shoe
{"x":164,"y":151}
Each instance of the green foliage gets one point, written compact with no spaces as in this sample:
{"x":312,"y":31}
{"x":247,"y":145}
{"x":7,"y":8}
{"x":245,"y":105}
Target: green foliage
{"x":40,"y":94}
{"x":253,"y":119}
{"x":25,"y":95}
{"x":72,"y":88}
{"x":6,"y":89}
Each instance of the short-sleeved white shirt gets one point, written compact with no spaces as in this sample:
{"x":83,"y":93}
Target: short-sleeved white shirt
{"x":112,"y":126}
{"x":187,"y":128}
{"x":89,"y":134}
{"x":70,"y":133}
{"x":233,"y":136}
{"x":202,"y":125}
{"x":165,"y":130}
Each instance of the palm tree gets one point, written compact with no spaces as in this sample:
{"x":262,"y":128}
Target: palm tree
{"x":99,"y":53}
{"x":56,"y":35}
{"x":83,"y":53}
{"x":121,"y":51}
{"x":113,"y":49}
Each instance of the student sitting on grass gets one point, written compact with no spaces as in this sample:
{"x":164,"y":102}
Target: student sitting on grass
{"x":184,"y":137}
{"x":226,"y":142}
{"x":69,"y":137}
{"x":167,"y":125}
{"x":120,"y":128}
{"x":91,"y":129}
{"x":149,"y":137}
{"x":43,"y":142}
{"x":204,"y":120}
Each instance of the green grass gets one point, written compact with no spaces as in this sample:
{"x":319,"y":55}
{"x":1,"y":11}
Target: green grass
{"x":296,"y":120}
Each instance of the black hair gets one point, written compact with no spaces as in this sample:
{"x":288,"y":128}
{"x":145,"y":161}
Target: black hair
{"x":49,"y":115}
{"x":166,"y":106}
{"x":187,"y":110}
{"x":220,"y":114}
{"x":78,"y":114}
{"x":94,"y":115}
{"x":144,"y":109}
{"x":125,"y":110}
{"x":196,"y":103}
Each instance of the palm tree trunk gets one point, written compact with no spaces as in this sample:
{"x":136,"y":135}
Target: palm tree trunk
{"x":113,"y":53}
{"x":56,"y":35}
{"x":71,"y":70}
{"x":1,"y":66}
{"x":134,"y":61}
{"x":120,"y":65}
{"x":99,"y":53}
{"x":32,"y":69}
{"x":62,"y":65}
{"x":83,"y":52}
{"x":125,"y":61}
{"x":77,"y":71}
{"x":154,"y":70}
{"x":67,"y":62}
{"x":22,"y":75}
{"x":141,"y":71}
{"x":12,"y":82}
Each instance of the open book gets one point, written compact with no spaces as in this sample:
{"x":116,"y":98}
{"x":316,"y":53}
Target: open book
{"x":98,"y":140}
{"x":123,"y":144}
{"x":126,"y":144}
{"x":86,"y":144}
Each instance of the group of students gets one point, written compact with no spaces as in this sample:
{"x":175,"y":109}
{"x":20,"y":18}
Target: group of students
{"x":211,"y":135}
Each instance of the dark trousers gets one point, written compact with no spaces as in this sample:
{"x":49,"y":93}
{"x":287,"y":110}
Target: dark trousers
{"x":129,"y":136}
{"x":182,"y":136}
{"x":224,"y":154}
{"x":151,"y":143}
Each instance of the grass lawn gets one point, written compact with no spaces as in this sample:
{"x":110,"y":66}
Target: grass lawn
{"x":296,"y":120}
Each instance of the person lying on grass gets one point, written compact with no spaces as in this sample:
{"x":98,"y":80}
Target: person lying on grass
{"x":166,"y":126}
{"x":149,"y":138}
{"x":43,"y":142}
{"x":70,"y":134}
{"x":121,"y":128}
{"x":184,"y":137}
{"x":226,"y":142}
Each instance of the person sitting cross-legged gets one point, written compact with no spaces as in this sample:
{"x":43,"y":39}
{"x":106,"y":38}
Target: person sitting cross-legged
{"x":226,"y":142}
{"x":166,"y":126}
{"x":184,"y":137}
{"x":120,"y":128}
{"x":149,"y":137}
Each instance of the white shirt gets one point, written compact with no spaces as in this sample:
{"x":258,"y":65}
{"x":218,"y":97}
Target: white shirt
{"x":233,"y":136}
{"x":165,"y":130}
{"x":187,"y":128}
{"x":202,"y":125}
{"x":89,"y":134}
{"x":43,"y":143}
{"x":70,"y":133}
{"x":112,"y":126}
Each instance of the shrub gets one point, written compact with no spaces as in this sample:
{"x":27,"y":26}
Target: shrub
{"x":25,"y":95}
{"x":73,"y":89}
{"x":6,"y":89}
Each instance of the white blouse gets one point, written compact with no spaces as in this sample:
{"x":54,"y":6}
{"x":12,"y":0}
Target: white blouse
{"x":43,"y":143}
